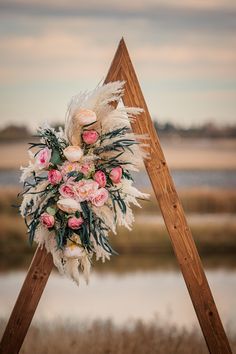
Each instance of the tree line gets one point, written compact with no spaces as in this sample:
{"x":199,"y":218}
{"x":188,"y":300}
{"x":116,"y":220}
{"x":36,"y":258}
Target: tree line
{"x":207,"y":130}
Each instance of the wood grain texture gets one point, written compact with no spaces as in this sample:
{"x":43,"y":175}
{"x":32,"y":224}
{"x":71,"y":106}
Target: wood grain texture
{"x":171,"y":208}
{"x":27,"y":302}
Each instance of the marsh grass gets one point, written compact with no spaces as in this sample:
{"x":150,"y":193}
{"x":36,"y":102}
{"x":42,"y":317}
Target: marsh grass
{"x":146,"y":239}
{"x":199,"y":200}
{"x":103,"y":337}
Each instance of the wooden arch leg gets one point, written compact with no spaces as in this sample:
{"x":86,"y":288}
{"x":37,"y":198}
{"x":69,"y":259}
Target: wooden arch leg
{"x":27,"y":302}
{"x":171,"y":208}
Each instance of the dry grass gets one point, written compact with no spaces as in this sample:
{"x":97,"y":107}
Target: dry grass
{"x":199,"y":200}
{"x":105,"y":338}
{"x":145,"y":239}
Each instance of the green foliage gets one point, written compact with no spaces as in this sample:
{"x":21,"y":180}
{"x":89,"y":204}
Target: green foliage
{"x":117,"y":145}
{"x":117,"y":199}
{"x":56,"y":158}
{"x":77,"y":176}
{"x":114,"y":133}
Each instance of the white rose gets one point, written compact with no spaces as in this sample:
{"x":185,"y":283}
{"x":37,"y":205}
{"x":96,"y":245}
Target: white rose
{"x":85,"y":117}
{"x":73,"y":251}
{"x":68,"y":205}
{"x":73,"y":153}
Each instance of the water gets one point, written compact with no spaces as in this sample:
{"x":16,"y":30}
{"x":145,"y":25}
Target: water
{"x":182,"y":178}
{"x":157,"y":294}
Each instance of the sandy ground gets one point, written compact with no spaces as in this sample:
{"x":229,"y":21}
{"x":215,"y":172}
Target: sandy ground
{"x":179,"y":153}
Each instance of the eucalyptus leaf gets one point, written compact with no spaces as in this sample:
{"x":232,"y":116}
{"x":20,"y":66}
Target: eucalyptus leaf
{"x":56,"y":158}
{"x":51,"y":211}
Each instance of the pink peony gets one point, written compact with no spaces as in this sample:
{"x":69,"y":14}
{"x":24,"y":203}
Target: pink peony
{"x":100,"y":178}
{"x":100,"y":197}
{"x":85,"y":189}
{"x":47,"y":220}
{"x":75,"y":223}
{"x":54,"y":177}
{"x":67,"y":189}
{"x":90,"y":136}
{"x":43,"y":158}
{"x":116,"y":174}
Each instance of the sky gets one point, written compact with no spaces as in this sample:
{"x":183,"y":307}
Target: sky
{"x":184,"y":53}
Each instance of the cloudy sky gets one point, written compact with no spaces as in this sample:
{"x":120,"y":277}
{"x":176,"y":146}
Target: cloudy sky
{"x":184,"y":53}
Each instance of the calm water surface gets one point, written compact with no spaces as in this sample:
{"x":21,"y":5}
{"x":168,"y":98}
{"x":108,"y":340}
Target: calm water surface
{"x":136,"y":295}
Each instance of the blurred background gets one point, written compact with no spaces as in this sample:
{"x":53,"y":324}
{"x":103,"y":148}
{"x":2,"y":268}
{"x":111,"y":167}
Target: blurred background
{"x":184,"y":54}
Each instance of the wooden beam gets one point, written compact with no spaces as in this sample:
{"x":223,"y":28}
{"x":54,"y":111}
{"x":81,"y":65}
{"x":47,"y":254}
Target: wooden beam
{"x":171,"y":208}
{"x":174,"y":217}
{"x":27,"y":302}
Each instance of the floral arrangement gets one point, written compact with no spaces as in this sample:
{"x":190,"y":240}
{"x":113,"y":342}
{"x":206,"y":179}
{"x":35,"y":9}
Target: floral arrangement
{"x":78,"y":185}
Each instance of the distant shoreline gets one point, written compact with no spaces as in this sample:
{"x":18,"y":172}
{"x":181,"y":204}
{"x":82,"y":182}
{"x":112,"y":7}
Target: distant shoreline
{"x":180,"y":153}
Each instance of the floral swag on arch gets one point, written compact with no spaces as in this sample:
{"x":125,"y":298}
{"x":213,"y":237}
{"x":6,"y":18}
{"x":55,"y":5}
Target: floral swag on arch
{"x":78,"y":185}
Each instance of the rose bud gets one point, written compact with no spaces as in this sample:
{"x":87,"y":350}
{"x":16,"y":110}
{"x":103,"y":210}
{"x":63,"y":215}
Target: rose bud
{"x":100,"y":178}
{"x":90,"y":136}
{"x":75,"y":223}
{"x":85,"y":117}
{"x":54,"y":177}
{"x":73,"y":153}
{"x":47,"y":220}
{"x":68,"y":205}
{"x":116,"y":174}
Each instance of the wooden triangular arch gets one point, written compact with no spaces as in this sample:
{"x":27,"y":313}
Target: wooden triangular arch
{"x":176,"y":224}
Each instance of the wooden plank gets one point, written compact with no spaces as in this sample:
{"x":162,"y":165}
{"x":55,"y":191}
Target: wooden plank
{"x":171,"y":208}
{"x":27,"y":302}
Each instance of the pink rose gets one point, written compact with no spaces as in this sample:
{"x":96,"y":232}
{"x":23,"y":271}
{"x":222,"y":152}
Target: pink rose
{"x":100,"y":178}
{"x":90,"y":136}
{"x":86,"y":168}
{"x":68,"y":166}
{"x":43,"y":158}
{"x":116,"y":174}
{"x":47,"y":220}
{"x":67,"y":189}
{"x":85,"y":188}
{"x":75,"y":223}
{"x":100,"y":197}
{"x":54,"y":177}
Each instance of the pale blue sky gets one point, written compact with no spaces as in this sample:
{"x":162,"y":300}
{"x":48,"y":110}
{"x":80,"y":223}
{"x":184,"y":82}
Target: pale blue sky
{"x":184,"y":53}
